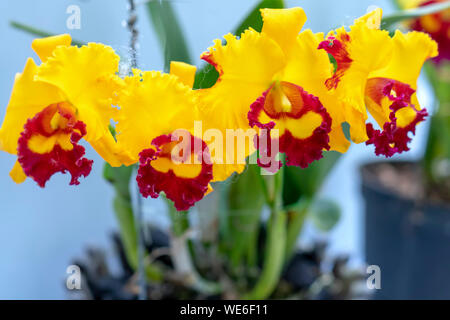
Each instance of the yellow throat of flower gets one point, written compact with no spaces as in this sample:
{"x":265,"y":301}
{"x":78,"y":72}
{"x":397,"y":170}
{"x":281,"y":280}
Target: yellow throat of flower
{"x":281,"y":101}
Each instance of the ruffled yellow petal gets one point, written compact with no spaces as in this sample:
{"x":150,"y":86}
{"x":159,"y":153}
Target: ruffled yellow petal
{"x":357,"y":121}
{"x":283,"y":25}
{"x":369,"y":49}
{"x":372,"y":20}
{"x":365,"y":49}
{"x":184,"y":71}
{"x":253,"y":58}
{"x":87,"y":78}
{"x":17,"y":174}
{"x":410,"y":52}
{"x":377,"y":104}
{"x":307,"y":66}
{"x":151,"y":105}
{"x":247,"y":67}
{"x":310,"y":68}
{"x":28,"y":98}
{"x":338,"y":141}
{"x":44,"y":46}
{"x":110,"y":151}
{"x":210,"y":189}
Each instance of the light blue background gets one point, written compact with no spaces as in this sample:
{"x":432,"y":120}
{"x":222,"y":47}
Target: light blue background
{"x":42,"y":230}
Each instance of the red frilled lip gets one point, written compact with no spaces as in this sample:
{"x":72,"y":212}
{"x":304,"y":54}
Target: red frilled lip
{"x":299,"y":152}
{"x":392,"y":139}
{"x":41,"y":166}
{"x":184,"y":192}
{"x":441,"y":34}
{"x":338,"y":49}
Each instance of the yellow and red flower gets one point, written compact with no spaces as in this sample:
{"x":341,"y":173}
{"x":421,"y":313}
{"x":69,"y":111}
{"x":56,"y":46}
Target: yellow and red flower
{"x":437,"y":25}
{"x":377,"y":72}
{"x":54,"y":105}
{"x":155,"y":121}
{"x":279,"y":81}
{"x":273,"y":79}
{"x":183,"y":182}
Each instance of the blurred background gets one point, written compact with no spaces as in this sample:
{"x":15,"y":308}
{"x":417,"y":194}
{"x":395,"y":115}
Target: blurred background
{"x":42,"y":230}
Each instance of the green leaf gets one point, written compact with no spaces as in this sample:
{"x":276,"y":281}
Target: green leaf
{"x":179,"y":219}
{"x":169,"y":32}
{"x":207,"y":76}
{"x":245,"y":203}
{"x":296,"y":217}
{"x":120,"y":178}
{"x":254,"y":18}
{"x":125,"y":218}
{"x":437,"y":149}
{"x":300,"y":182}
{"x":273,"y":258}
{"x":399,"y":16}
{"x":325,"y":214}
{"x":40,"y":33}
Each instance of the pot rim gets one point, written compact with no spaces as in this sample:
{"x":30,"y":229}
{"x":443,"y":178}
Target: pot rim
{"x":368,"y":179}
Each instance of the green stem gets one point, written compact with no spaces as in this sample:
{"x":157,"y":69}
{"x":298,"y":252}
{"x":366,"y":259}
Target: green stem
{"x":418,"y":12}
{"x":124,"y":216}
{"x":141,"y":250}
{"x":278,"y":188}
{"x":273,"y":258}
{"x":120,"y":180}
{"x":252,"y":248}
{"x":181,"y":256}
{"x":275,"y":245}
{"x":296,"y":219}
{"x":129,"y":236}
{"x":39,"y":33}
{"x":179,"y":219}
{"x":265,"y":189}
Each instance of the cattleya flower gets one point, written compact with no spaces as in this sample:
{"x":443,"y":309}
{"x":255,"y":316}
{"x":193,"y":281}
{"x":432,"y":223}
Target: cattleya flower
{"x":273,"y":79}
{"x":157,"y":113}
{"x":279,"y":81}
{"x":54,"y":105}
{"x":437,"y":25}
{"x":379,"y":72}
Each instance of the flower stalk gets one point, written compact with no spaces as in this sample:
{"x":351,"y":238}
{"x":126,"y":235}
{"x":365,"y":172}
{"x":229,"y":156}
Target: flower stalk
{"x":296,"y":218}
{"x":181,"y":255}
{"x":120,"y":179}
{"x":275,"y":243}
{"x":131,"y":23}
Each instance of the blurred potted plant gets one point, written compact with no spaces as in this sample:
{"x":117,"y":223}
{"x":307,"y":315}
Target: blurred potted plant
{"x":408,"y":202}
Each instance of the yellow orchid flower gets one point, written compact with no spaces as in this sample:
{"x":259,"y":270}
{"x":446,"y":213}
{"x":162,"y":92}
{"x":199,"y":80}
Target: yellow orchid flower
{"x":379,"y":72}
{"x":155,"y":127}
{"x":273,"y":79}
{"x":54,"y":105}
{"x":437,"y":25}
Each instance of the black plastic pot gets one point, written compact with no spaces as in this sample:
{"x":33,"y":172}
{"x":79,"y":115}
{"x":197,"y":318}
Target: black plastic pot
{"x":408,"y":239}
